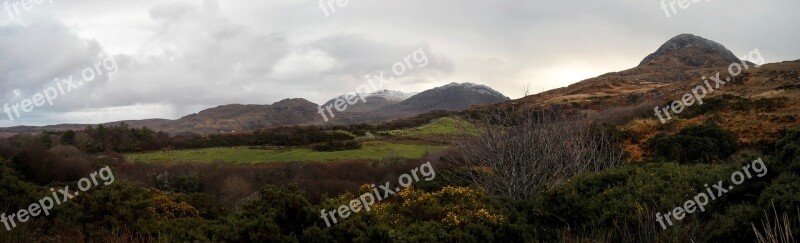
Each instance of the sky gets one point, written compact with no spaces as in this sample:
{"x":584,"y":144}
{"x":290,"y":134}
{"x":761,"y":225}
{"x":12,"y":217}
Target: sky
{"x":94,"y":61}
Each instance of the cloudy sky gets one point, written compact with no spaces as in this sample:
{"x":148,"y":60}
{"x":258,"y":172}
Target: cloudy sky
{"x":173,"y":58}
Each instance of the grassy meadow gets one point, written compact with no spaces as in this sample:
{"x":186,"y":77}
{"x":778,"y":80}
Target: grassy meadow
{"x":441,"y":126}
{"x":373,"y":148}
{"x":246,"y":155}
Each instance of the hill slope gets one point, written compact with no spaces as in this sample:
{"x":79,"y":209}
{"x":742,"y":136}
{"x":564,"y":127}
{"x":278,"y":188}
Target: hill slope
{"x":755,"y":105}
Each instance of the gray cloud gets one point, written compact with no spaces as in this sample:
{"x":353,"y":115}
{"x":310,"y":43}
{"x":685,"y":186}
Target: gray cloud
{"x":178,"y":57}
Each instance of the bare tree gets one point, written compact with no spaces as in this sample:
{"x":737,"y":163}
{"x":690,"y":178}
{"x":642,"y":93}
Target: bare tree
{"x":526,"y":90}
{"x":516,"y":154}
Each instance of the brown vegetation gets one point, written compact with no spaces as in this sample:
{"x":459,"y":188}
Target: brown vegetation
{"x":519,"y":154}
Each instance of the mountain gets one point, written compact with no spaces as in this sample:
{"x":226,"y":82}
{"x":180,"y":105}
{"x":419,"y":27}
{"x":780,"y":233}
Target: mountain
{"x":451,"y":97}
{"x":386,"y":105}
{"x":238,"y":117}
{"x":224,"y":118}
{"x":690,"y":50}
{"x":374,"y":101}
{"x":673,"y":69}
{"x":380,"y":106}
{"x":755,"y":105}
{"x":391,"y":95}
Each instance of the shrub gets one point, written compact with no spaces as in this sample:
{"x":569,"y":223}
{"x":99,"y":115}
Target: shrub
{"x":622,"y":135}
{"x":337,"y":146}
{"x":15,"y":192}
{"x":625,"y":114}
{"x":278,"y":215}
{"x":696,"y":143}
{"x":59,"y":164}
{"x":620,"y":201}
{"x":191,"y":182}
{"x":784,"y":192}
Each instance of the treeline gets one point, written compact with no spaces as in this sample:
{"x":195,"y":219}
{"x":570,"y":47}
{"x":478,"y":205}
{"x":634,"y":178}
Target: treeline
{"x":122,"y":138}
{"x":295,"y":136}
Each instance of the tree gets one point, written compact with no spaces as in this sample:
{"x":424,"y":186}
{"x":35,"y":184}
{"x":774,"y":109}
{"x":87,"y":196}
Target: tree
{"x":517,"y":154}
{"x":83,"y":141}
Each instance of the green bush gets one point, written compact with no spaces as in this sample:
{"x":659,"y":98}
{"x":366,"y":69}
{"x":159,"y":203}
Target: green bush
{"x":278,"y":215}
{"x":337,"y":146}
{"x":15,"y":193}
{"x":186,"y":183}
{"x":696,"y":143}
{"x":784,"y":192}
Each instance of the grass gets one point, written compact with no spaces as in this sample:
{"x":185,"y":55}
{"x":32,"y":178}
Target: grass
{"x":244,"y":155}
{"x":441,"y":126}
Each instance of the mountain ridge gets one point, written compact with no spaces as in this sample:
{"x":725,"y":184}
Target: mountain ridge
{"x":290,"y":111}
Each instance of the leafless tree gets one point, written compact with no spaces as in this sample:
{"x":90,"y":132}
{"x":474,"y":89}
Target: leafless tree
{"x":526,"y":90}
{"x":515,"y":154}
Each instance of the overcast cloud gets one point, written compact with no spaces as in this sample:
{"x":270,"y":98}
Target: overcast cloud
{"x":178,"y":57}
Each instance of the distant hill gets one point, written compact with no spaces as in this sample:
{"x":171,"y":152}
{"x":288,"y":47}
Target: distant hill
{"x":237,"y":117}
{"x":450,"y":97}
{"x":374,"y":100}
{"x":380,"y":106}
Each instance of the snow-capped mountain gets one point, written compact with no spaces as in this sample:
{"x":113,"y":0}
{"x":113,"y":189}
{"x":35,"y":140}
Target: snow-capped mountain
{"x":451,"y":97}
{"x":391,"y":95}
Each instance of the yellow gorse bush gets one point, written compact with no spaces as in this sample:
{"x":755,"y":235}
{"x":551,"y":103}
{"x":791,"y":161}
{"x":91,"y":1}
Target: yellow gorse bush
{"x":451,"y":205}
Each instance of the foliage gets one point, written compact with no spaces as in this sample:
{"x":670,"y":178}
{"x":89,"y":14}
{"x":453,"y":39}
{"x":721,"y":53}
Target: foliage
{"x":337,"y":146}
{"x":281,"y":202}
{"x":695,"y":143}
{"x":16,"y":193}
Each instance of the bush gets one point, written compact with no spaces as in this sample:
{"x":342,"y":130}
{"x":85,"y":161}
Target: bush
{"x":58,"y":164}
{"x":191,"y":182}
{"x":337,"y":146}
{"x":784,"y":192}
{"x":15,"y":193}
{"x":278,"y":215}
{"x":696,"y":143}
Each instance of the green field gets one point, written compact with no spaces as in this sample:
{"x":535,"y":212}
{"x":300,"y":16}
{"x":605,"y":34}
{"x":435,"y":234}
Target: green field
{"x":441,"y":126}
{"x":370,"y":150}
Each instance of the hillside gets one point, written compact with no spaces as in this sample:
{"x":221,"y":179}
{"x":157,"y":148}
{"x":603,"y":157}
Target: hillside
{"x":766,"y":97}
